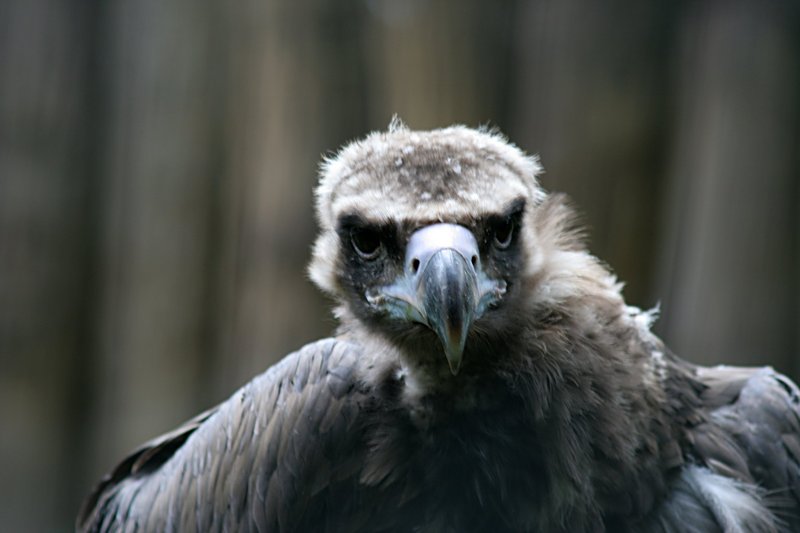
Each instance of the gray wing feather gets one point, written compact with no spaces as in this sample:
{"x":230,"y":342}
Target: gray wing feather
{"x":742,"y":472}
{"x":753,"y":433}
{"x":254,"y":461}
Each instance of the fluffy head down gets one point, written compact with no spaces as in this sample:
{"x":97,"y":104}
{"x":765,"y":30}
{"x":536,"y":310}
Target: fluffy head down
{"x":425,"y":176}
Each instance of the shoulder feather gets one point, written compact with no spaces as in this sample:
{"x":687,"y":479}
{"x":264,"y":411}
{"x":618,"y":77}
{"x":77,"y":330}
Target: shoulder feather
{"x":247,"y":457}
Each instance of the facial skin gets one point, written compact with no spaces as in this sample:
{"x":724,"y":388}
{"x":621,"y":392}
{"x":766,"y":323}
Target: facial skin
{"x":445,"y":276}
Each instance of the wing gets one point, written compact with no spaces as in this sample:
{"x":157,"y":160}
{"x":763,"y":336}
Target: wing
{"x":271,"y":457}
{"x":752,"y":434}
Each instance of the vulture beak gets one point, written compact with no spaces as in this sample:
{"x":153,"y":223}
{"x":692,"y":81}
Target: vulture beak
{"x":443,"y":286}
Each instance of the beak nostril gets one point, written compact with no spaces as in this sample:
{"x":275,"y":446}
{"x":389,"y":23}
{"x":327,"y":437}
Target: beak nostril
{"x":475,"y":261}
{"x":415,"y":265}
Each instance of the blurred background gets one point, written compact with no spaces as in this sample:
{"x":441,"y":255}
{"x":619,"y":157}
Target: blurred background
{"x":157,"y":160}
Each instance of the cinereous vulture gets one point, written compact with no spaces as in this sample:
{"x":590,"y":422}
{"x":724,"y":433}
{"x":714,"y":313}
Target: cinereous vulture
{"x":487,"y":375}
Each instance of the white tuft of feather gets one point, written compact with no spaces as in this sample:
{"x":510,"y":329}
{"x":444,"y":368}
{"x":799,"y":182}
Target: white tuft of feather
{"x":397,"y":124}
{"x":738,"y":507}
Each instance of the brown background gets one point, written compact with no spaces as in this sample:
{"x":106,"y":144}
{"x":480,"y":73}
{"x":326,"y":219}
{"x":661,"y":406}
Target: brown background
{"x":157,"y":160}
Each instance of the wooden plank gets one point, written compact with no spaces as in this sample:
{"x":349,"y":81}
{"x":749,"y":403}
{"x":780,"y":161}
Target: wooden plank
{"x":729,"y":258}
{"x":278,"y":82}
{"x":590,"y":100}
{"x":154,"y":220}
{"x":45,"y":188}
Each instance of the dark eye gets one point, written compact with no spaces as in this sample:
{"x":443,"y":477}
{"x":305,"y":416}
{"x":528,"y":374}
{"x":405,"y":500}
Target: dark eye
{"x":503,"y":233}
{"x":366,"y":242}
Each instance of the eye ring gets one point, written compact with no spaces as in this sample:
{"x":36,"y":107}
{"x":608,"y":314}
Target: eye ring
{"x":504,"y":233}
{"x":366,"y":242}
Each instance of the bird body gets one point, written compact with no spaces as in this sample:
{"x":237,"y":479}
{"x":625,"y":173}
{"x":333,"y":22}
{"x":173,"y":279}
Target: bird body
{"x":487,"y":375}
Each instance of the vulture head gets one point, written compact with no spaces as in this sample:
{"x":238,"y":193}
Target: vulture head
{"x":430,"y":240}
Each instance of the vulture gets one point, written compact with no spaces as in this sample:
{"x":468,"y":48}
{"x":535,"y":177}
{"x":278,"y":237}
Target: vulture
{"x":486,"y":375}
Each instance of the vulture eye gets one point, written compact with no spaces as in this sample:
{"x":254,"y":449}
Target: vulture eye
{"x":366,"y":242}
{"x":503,"y":233}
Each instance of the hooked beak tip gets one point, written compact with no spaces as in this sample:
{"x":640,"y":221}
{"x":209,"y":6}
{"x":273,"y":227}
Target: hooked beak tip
{"x":453,"y":341}
{"x":454,"y":363}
